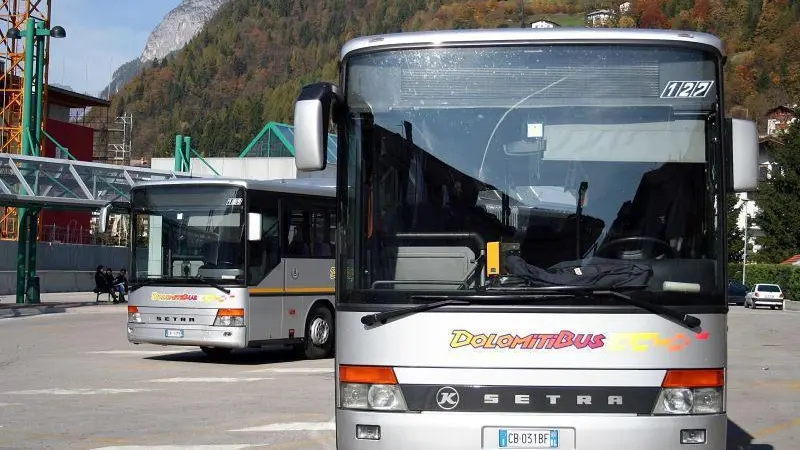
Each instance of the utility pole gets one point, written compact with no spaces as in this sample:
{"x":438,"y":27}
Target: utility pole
{"x":522,"y":13}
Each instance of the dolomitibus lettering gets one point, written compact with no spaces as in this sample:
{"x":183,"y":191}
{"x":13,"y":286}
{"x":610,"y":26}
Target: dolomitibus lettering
{"x":539,"y":341}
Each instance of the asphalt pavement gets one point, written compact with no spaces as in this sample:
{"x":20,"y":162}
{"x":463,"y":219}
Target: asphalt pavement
{"x":70,"y":380}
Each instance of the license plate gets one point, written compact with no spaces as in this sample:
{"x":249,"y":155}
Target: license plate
{"x":174,"y":333}
{"x":527,"y":438}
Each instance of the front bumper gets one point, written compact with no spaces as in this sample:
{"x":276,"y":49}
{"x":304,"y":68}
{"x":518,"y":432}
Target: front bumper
{"x":466,"y":431}
{"x":193,"y":335}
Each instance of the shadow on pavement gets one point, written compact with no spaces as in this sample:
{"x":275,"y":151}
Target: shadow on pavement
{"x":241,"y":357}
{"x":740,"y":439}
{"x":11,"y":310}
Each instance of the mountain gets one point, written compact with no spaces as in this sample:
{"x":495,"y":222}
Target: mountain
{"x":247,"y":65}
{"x":122,"y":76}
{"x":176,"y":29}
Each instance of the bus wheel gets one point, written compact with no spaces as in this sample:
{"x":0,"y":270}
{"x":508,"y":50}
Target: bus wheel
{"x":319,"y":333}
{"x":216,"y":352}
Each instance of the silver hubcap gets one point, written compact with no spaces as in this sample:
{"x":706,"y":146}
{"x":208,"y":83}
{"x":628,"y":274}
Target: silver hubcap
{"x":320,"y":330}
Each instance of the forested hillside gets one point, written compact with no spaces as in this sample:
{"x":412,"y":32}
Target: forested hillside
{"x":247,"y":66}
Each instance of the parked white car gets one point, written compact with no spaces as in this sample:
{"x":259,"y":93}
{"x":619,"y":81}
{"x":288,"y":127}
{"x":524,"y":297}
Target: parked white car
{"x":764,"y":295}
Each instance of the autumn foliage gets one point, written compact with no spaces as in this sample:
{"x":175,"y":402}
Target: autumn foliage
{"x":248,"y":64}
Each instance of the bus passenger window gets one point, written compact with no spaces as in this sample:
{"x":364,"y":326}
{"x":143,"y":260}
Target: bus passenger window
{"x":263,"y":255}
{"x":322,"y":244}
{"x":298,"y":235}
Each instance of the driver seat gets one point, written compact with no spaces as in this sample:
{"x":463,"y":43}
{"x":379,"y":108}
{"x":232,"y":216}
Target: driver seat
{"x":663,"y":208}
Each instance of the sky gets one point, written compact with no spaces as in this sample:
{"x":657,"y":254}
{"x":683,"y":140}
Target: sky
{"x":101,"y":36}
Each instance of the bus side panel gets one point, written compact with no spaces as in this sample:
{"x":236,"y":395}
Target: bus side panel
{"x":307,"y":280}
{"x":266,"y":306}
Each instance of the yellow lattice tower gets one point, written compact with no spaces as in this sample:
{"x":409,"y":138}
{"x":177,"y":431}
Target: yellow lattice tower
{"x":15,"y":14}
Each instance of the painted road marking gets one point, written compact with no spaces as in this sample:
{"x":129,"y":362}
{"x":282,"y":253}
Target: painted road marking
{"x":793,"y":385}
{"x":274,"y":446}
{"x":207,"y":380}
{"x":293,"y":426}
{"x":294,"y":370}
{"x":182,"y":447}
{"x":776,"y":428}
{"x":137,"y":352}
{"x":81,"y":391}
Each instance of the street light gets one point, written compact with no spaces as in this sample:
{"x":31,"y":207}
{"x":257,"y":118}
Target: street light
{"x":744,"y":255}
{"x":34,"y":40}
{"x":35,"y":35}
{"x":746,"y":227}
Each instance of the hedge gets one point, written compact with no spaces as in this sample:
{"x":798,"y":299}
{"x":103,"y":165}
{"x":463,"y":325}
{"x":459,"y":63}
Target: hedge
{"x":785,"y":275}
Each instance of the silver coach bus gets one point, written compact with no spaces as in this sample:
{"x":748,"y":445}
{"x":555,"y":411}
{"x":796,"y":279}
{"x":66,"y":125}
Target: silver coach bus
{"x":225,"y":264}
{"x":531,"y":246}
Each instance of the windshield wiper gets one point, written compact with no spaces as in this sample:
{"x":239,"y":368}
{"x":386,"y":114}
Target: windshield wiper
{"x":143,"y":283}
{"x":686,"y":320}
{"x":372,"y":319}
{"x":212,"y":284}
{"x":154,"y":280}
{"x":468,"y":298}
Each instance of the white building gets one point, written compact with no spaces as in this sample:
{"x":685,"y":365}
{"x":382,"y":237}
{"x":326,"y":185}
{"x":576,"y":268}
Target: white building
{"x":599,"y":17}
{"x":543,"y":23}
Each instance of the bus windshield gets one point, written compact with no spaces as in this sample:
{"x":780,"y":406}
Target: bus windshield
{"x":184,"y":232}
{"x":582,"y":161}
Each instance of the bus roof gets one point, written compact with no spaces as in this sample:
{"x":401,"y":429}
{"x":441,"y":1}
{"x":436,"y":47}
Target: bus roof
{"x":530,"y":35}
{"x":324,"y":187}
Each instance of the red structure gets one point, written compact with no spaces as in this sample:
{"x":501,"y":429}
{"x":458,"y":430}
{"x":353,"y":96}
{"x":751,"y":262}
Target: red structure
{"x":61,"y":225}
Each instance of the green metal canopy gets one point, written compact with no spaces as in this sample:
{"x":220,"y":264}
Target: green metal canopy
{"x":277,"y":140}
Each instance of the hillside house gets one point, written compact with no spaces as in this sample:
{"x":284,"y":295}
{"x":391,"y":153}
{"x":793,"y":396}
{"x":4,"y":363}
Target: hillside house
{"x":599,"y":17}
{"x":543,"y":23}
{"x":779,"y":118}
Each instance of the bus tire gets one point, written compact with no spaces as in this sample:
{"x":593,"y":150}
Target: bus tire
{"x":216,"y":352}
{"x":318,"y":342}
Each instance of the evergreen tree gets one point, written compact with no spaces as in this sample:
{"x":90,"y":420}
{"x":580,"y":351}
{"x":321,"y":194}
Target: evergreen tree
{"x":733,"y":234}
{"x":779,"y":202}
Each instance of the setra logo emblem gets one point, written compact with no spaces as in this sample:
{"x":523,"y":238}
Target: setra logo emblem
{"x":447,"y":398}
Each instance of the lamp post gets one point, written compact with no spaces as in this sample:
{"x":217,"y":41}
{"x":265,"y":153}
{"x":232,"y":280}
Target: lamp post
{"x":744,"y":255}
{"x":34,"y":34}
{"x":744,"y":250}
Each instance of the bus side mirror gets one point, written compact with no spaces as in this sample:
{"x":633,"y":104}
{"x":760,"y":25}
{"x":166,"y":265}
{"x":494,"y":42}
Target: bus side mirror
{"x":742,"y":155}
{"x":253,"y":226}
{"x":103,"y":219}
{"x":311,"y":118}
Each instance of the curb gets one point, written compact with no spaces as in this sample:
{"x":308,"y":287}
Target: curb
{"x":791,"y":305}
{"x":13,"y":310}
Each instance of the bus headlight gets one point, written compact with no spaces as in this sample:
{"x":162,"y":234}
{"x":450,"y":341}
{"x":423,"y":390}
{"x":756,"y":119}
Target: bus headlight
{"x":373,"y":388}
{"x":133,"y":315}
{"x":229,"y":317}
{"x":382,"y":397}
{"x":691,"y":392}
